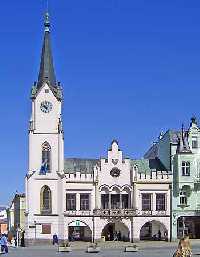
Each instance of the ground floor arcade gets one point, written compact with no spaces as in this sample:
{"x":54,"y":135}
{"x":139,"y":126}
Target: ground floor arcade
{"x":100,"y":228}
{"x":118,"y":229}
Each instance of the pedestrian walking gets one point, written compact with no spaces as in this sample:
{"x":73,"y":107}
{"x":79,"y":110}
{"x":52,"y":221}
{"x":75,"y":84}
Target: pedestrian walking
{"x":4,"y":244}
{"x":159,"y":235}
{"x":184,"y":248}
{"x":55,"y":239}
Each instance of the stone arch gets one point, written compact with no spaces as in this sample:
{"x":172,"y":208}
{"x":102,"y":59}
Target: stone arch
{"x":153,"y":230}
{"x":79,"y":230}
{"x":45,"y":200}
{"x":116,"y":230}
{"x":115,"y":188}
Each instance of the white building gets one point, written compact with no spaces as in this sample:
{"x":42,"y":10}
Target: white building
{"x":82,"y":199}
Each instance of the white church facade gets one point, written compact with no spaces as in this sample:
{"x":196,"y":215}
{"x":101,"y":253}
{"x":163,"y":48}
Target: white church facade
{"x":87,"y":199}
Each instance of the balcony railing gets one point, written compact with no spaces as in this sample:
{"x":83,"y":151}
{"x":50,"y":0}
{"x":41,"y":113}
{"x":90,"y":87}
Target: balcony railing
{"x":127,"y":213}
{"x":78,"y":213}
{"x":115,"y":213}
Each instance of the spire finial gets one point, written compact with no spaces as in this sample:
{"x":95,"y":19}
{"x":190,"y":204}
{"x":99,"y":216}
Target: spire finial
{"x":47,"y":22}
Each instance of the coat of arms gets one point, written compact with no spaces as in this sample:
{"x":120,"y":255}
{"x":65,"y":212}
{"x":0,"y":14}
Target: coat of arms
{"x":115,"y":161}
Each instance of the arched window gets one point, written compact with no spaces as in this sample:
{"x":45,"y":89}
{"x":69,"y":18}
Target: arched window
{"x":46,"y":157}
{"x":46,"y":200}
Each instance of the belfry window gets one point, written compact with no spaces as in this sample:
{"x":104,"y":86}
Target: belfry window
{"x":185,"y":168}
{"x":46,"y":157}
{"x":45,"y":200}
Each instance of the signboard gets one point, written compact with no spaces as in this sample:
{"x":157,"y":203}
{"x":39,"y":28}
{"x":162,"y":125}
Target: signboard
{"x":77,"y":223}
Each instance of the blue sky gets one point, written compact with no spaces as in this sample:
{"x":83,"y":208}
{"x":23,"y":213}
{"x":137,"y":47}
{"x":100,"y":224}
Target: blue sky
{"x":129,"y":69}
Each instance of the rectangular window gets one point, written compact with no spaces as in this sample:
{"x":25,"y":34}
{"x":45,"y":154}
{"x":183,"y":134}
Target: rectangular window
{"x":185,"y":168}
{"x":194,"y":142}
{"x":125,"y":201}
{"x":84,"y":202}
{"x":115,"y":201}
{"x":70,"y":202}
{"x":183,"y":198}
{"x":146,"y":202}
{"x":160,"y":202}
{"x":105,"y":201}
{"x":46,"y":229}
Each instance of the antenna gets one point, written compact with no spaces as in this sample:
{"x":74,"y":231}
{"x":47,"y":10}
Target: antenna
{"x":47,"y":5}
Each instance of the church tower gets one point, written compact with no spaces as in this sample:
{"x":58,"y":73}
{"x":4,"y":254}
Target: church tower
{"x":46,"y":149}
{"x":45,"y":130}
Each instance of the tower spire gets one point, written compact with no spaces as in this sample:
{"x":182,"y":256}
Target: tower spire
{"x":46,"y":73}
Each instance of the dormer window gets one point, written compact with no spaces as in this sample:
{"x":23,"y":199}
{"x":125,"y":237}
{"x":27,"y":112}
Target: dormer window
{"x":194,"y":142}
{"x":185,"y":168}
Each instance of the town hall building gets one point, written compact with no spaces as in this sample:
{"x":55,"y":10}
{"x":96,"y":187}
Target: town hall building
{"x":111,"y":198}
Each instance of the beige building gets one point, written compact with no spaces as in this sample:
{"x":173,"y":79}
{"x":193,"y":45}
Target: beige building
{"x":16,"y":213}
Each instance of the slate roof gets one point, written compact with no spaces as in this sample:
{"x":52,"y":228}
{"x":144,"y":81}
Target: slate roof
{"x":147,"y":165}
{"x":46,"y":73}
{"x":72,"y":165}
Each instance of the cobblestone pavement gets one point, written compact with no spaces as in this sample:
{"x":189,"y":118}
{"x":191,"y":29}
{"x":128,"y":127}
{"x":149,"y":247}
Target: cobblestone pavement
{"x":147,"y":249}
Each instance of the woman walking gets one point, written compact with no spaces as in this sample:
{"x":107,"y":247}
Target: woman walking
{"x":184,"y":248}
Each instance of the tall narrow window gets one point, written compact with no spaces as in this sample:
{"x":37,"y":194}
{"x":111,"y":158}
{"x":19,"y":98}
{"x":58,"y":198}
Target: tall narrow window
{"x":46,"y":200}
{"x":160,"y":202}
{"x":194,"y":142}
{"x":183,"y":198}
{"x":70,"y":202}
{"x":46,"y":158}
{"x":146,"y":202}
{"x":125,"y":201}
{"x":185,"y":168}
{"x":84,"y":202}
{"x":105,"y":201}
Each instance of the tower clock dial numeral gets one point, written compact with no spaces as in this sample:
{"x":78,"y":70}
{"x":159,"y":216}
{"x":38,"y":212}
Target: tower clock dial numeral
{"x":46,"y":106}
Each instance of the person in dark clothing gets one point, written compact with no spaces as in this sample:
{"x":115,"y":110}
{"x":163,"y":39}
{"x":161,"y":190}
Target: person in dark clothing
{"x":22,"y":240}
{"x":159,"y":235}
{"x":55,"y":239}
{"x":119,"y":236}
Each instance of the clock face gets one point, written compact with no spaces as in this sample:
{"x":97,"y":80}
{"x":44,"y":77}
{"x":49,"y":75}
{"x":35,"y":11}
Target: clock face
{"x":115,"y":172}
{"x":46,"y":106}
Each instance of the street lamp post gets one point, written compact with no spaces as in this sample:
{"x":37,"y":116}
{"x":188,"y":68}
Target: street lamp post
{"x":35,"y":228}
{"x":183,"y":219}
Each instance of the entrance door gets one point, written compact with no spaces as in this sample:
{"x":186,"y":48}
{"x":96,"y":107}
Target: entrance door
{"x":197,"y":230}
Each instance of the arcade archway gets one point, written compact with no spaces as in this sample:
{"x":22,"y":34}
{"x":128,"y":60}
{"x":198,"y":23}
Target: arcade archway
{"x":79,"y":231}
{"x":153,"y":230}
{"x":115,"y":231}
